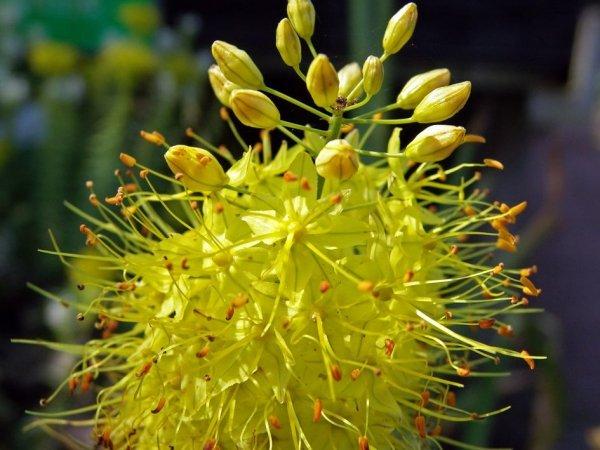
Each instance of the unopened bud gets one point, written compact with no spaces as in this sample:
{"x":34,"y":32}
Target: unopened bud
{"x":337,"y":160}
{"x":199,"y":169}
{"x":254,"y":109}
{"x":372,"y":75}
{"x":322,"y":81}
{"x":349,"y":76}
{"x":237,"y":66}
{"x":420,"y":85}
{"x":442,"y":103}
{"x":435,"y":143}
{"x":302,"y":15}
{"x":222,"y":87}
{"x":400,"y":29}
{"x":288,"y":43}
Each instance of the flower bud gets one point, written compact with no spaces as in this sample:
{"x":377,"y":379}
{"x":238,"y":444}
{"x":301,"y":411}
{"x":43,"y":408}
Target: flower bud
{"x":322,"y":81}
{"x":254,"y":109}
{"x":236,"y":65}
{"x":435,"y":143}
{"x":400,"y":29}
{"x":349,"y":76}
{"x":288,"y":43}
{"x":337,"y":160}
{"x":302,"y":15}
{"x":420,"y":85}
{"x":442,"y":103}
{"x":198,"y":168}
{"x":222,"y":87}
{"x":372,"y":75}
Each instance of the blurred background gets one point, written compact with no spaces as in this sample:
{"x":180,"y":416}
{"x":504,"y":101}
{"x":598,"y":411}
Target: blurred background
{"x":80,"y":78}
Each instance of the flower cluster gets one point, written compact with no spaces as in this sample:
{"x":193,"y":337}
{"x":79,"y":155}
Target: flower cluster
{"x":321,"y":296}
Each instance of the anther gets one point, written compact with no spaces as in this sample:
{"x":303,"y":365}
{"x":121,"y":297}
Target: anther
{"x":463,"y":371}
{"x":317,"y":410}
{"x":86,"y":381}
{"x":230,"y":312}
{"x":505,"y":331}
{"x":469,"y":211}
{"x":530,"y":362}
{"x":448,"y":315}
{"x":425,"y":396}
{"x":94,"y":200}
{"x":420,"y":426}
{"x":153,"y":138}
{"x":184,"y":264}
{"x":224,"y":113}
{"x":498,"y":269}
{"x":324,"y":286}
{"x":202,"y":352}
{"x":363,"y":443}
{"x":485,"y":324}
{"x":89,"y":184}
{"x":240,"y":300}
{"x":275,"y":422}
{"x":529,"y":288}
{"x":408,"y":276}
{"x":336,"y":372}
{"x":304,"y":184}
{"x":437,"y":430}
{"x":144,"y":369}
{"x":160,"y":405}
{"x":72,"y":384}
{"x":389,"y":347}
{"x":494,"y":164}
{"x":127,"y":160}
{"x":453,"y":249}
{"x":144,"y":173}
{"x":219,"y":208}
{"x":355,"y":374}
{"x":336,"y":199}
{"x":365,"y":286}
{"x":451,"y":399}
{"x":289,"y":176}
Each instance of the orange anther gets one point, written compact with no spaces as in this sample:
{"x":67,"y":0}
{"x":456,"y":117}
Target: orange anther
{"x":494,"y":164}
{"x":144,"y":369}
{"x":469,"y":211}
{"x":529,"y":288}
{"x":219,"y":208}
{"x":451,"y":399}
{"x":230,"y":312}
{"x":463,"y":371}
{"x":304,"y":184}
{"x":290,"y":176}
{"x":127,"y":160}
{"x":498,"y":269}
{"x":72,"y":384}
{"x":506,"y":331}
{"x":336,"y":372}
{"x":420,"y":426}
{"x":240,"y":300}
{"x":202,"y":352}
{"x":425,"y":396}
{"x":484,"y":324}
{"x":355,"y":374}
{"x":363,"y":443}
{"x":275,"y":422}
{"x":389,"y":347}
{"x":159,"y":406}
{"x":317,"y":410}
{"x":223,"y":113}
{"x":408,"y":276}
{"x":336,"y":199}
{"x":365,"y":286}
{"x":528,"y":359}
{"x":324,"y":286}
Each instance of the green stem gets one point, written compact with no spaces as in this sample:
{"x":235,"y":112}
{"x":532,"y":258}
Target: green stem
{"x":381,"y":121}
{"x":295,"y":138}
{"x":302,"y":127}
{"x":298,"y":103}
{"x":360,"y":104}
{"x":235,"y":132}
{"x":378,"y":110}
{"x":311,"y":47}
{"x":335,"y":126}
{"x":299,"y":73}
{"x":379,"y":154}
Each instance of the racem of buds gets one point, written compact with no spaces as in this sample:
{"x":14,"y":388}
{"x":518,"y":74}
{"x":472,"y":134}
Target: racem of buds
{"x":442,"y":103}
{"x":288,"y":43}
{"x":349,"y":76}
{"x":435,"y":143}
{"x":400,"y":29}
{"x":254,"y":109}
{"x":302,"y":15}
{"x":337,"y":160}
{"x":420,"y":85}
{"x":237,"y":66}
{"x":222,"y":87}
{"x":372,"y":75}
{"x":196,"y":168}
{"x":322,"y":81}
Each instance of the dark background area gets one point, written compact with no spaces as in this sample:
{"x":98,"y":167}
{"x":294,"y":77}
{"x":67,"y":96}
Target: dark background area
{"x":536,"y":97}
